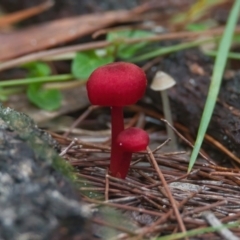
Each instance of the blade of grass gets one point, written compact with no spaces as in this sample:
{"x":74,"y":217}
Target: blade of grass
{"x":232,"y":55}
{"x":26,"y":81}
{"x":167,"y":50}
{"x":218,"y":71}
{"x":198,"y":231}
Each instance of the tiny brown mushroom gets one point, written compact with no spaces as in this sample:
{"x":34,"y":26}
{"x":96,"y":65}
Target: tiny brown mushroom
{"x":162,"y":82}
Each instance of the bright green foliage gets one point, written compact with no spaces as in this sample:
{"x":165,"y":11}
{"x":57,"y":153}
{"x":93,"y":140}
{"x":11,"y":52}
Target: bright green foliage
{"x":86,"y":62}
{"x":123,"y":50}
{"x":3,"y":96}
{"x":236,"y":38}
{"x":49,"y":99}
{"x":197,"y":27}
{"x":6,"y":92}
{"x":37,"y":69}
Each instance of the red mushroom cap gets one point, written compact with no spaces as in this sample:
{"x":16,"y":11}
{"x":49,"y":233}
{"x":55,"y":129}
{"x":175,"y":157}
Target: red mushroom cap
{"x":133,"y":140}
{"x":116,"y":84}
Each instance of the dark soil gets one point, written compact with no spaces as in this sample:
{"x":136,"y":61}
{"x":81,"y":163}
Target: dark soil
{"x":189,"y":95}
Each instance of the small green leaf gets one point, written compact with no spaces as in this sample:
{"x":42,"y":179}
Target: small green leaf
{"x":236,"y":38}
{"x":201,"y":26}
{"x":3,"y":98}
{"x":197,"y":27}
{"x":124,"y":50}
{"x":37,"y":69}
{"x":6,"y":92}
{"x":45,"y":99}
{"x":86,"y":62}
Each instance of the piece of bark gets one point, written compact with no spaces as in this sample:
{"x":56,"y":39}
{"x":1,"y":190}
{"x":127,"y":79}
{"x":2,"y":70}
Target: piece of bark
{"x":192,"y":70}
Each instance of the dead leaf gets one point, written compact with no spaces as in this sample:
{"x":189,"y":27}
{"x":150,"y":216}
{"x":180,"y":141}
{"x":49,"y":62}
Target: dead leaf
{"x":56,"y":32}
{"x":73,"y":100}
{"x":24,"y":14}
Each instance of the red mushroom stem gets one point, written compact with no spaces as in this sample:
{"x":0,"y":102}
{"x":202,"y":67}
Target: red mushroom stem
{"x":117,"y":85}
{"x":117,"y":127}
{"x":124,"y":166}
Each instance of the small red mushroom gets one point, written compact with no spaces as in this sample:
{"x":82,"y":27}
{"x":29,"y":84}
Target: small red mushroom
{"x":130,"y":140}
{"x":116,"y":85}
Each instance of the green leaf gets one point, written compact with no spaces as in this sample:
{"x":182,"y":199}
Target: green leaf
{"x":86,"y":62}
{"x":201,"y":26}
{"x":37,"y":69}
{"x":197,"y":27}
{"x":236,"y":38}
{"x":124,"y":50}
{"x":6,"y":92}
{"x":218,"y":71}
{"x":3,"y":98}
{"x":45,"y":99}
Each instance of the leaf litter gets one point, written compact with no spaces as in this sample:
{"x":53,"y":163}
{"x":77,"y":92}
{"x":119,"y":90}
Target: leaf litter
{"x":146,"y":197}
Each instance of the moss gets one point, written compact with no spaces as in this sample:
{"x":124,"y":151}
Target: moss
{"x":44,"y":146}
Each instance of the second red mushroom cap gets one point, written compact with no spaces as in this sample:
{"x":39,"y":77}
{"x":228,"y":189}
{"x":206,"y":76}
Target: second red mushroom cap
{"x":133,"y":140}
{"x":116,"y":84}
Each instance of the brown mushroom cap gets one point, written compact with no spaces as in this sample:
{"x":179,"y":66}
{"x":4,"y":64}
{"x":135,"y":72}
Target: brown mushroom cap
{"x":116,"y":84}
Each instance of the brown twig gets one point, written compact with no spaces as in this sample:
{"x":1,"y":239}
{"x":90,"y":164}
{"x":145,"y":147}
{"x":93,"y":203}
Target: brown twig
{"x":171,"y":199}
{"x":106,"y":186}
{"x":186,"y":141}
{"x":79,"y":120}
{"x":24,"y":14}
{"x":101,"y":44}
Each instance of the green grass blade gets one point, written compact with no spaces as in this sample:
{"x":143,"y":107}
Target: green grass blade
{"x":218,"y":70}
{"x":26,"y":81}
{"x":231,"y":55}
{"x":167,"y":50}
{"x":198,"y":231}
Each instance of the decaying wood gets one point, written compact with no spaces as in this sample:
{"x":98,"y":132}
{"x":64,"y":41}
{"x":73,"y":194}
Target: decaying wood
{"x":192,"y":71}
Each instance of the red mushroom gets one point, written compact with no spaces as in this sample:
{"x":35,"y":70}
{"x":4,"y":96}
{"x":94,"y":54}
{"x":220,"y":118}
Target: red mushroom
{"x":129,"y":141}
{"x":116,"y":85}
